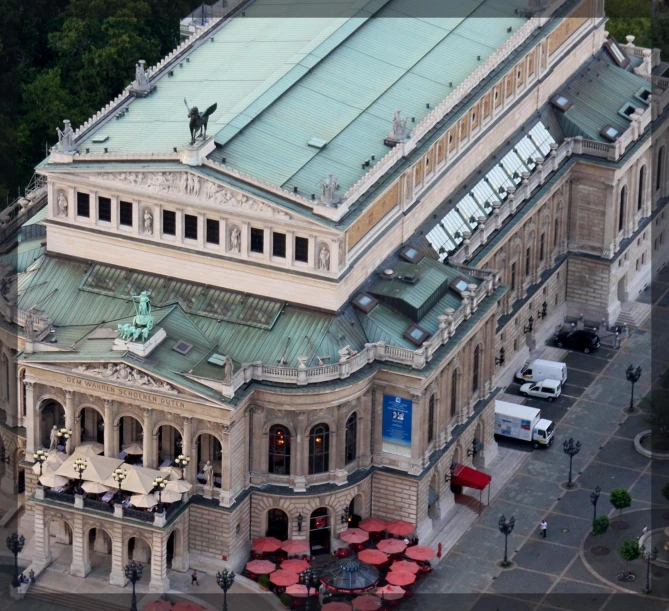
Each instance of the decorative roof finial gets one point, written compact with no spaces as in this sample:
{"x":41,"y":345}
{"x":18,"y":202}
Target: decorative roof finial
{"x":65,"y":139}
{"x":329,"y":188}
{"x":399,"y":132}
{"x":141,"y":85}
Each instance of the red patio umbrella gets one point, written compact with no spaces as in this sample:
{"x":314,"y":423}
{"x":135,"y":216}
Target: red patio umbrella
{"x":354,"y":535}
{"x":186,"y":606}
{"x":284,"y":578}
{"x":158,"y":605}
{"x":294,"y":565}
{"x":299,"y":589}
{"x":291,"y":546}
{"x":420,"y":552}
{"x":400,"y":578}
{"x":391,"y":546}
{"x":336,"y":606}
{"x":373,"y":525}
{"x":266,"y":544}
{"x":261,"y":567}
{"x":400,"y":528}
{"x":390,"y":592}
{"x":366,"y":603}
{"x":373,"y":556}
{"x":405,"y":565}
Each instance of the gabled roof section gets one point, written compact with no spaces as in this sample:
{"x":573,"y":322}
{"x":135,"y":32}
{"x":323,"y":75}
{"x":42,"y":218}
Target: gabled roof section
{"x":598,"y":94}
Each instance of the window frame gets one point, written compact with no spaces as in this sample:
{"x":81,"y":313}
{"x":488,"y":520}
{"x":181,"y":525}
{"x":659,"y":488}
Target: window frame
{"x":172,"y":224}
{"x":188,"y":227}
{"x":81,"y":203}
{"x":319,"y":460}
{"x":274,"y":456}
{"x":430,"y":417}
{"x":351,"y":438}
{"x":277,"y":238}
{"x":212,"y":225}
{"x":301,"y":253}
{"x":107,"y":202}
{"x":256,"y":236}
{"x":122,"y":216}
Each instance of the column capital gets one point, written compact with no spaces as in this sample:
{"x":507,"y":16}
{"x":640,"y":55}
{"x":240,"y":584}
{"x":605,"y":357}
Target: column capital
{"x":108,"y":403}
{"x":28,"y":384}
{"x":147,"y":411}
{"x":188,"y":420}
{"x":69,"y":394}
{"x":226,"y":428}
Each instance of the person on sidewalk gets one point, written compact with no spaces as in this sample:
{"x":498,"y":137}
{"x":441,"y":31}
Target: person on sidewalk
{"x":643,"y":532}
{"x":31,"y":576}
{"x":544,"y":528}
{"x":193,"y":578}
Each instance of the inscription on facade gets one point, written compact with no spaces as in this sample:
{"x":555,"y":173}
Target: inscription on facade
{"x":126,"y":392}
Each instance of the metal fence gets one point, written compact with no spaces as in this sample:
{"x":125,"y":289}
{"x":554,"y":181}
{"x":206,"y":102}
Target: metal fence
{"x":98,"y":505}
{"x":61,"y":497}
{"x":136,"y":514}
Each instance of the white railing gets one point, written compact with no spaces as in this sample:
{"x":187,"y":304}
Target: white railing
{"x":23,"y":208}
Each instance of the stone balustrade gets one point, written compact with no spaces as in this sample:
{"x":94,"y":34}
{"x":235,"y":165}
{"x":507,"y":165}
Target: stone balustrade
{"x":23,"y":208}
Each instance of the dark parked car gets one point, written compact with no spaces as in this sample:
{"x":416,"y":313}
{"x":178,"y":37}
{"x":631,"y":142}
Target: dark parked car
{"x":579,"y":340}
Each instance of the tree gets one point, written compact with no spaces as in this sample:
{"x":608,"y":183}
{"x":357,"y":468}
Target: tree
{"x":600,"y":525}
{"x":629,"y":551}
{"x":620,"y":499}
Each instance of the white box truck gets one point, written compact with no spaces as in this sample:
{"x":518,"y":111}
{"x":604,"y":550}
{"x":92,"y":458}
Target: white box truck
{"x":539,"y":370}
{"x":524,"y":423}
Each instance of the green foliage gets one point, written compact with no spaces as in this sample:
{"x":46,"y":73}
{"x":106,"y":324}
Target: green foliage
{"x":600,"y":525}
{"x":263,"y":581}
{"x":629,"y":550}
{"x":286,"y":599}
{"x":620,"y":499}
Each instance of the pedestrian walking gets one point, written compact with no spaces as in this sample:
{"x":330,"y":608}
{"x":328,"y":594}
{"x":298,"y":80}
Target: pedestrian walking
{"x":643,"y":532}
{"x":193,"y":578}
{"x":544,"y":528}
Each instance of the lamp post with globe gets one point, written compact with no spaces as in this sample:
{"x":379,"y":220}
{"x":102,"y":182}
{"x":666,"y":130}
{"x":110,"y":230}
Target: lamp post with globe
{"x":133,"y":573}
{"x":506,"y":528}
{"x":225,"y":579}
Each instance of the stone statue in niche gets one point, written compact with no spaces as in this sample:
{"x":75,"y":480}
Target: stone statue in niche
{"x":208,"y":471}
{"x":148,"y":221}
{"x":53,"y":438}
{"x":324,"y":259}
{"x":235,"y":240}
{"x":61,"y":204}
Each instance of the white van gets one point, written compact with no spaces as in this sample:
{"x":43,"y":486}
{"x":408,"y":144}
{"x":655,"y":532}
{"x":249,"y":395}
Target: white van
{"x":539,"y":370}
{"x":548,"y":389}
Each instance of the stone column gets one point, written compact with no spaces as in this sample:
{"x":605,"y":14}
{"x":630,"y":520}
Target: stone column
{"x":76,"y":430}
{"x":226,"y":467}
{"x":116,"y":436}
{"x":364,"y":450}
{"x":159,"y":580}
{"x":80,"y":566}
{"x":13,"y":407}
{"x":69,"y":420}
{"x":417,"y":434}
{"x":32,"y":417}
{"x":299,"y":452}
{"x":147,"y":441}
{"x":187,"y":445}
{"x":42,"y":553}
{"x":109,"y":430}
{"x":377,"y":428}
{"x":116,"y":575}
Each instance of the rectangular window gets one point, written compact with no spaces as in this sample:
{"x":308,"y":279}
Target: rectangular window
{"x":257,"y":240}
{"x":513,"y":276}
{"x":169,"y":222}
{"x":638,"y":265}
{"x":213,"y":233}
{"x":542,"y":241}
{"x":655,"y":244}
{"x":302,"y":250}
{"x":125,"y":214}
{"x":527,"y":262}
{"x":279,"y":245}
{"x":83,"y":204}
{"x":104,"y":209}
{"x":190,"y":226}
{"x":643,"y":259}
{"x":555,"y":233}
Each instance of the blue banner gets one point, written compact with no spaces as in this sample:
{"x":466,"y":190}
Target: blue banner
{"x":396,"y":428}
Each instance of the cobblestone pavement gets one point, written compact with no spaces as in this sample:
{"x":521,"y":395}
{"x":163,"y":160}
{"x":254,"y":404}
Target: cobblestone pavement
{"x":561,"y":571}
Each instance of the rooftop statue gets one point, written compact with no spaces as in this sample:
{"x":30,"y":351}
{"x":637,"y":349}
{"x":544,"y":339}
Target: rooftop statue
{"x":65,"y":138}
{"x":399,"y":131}
{"x":142,"y":323}
{"x":141,"y":79}
{"x":198,"y":121}
{"x":329,"y":188}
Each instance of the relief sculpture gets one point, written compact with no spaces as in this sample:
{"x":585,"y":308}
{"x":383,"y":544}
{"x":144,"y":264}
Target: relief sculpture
{"x":128,"y":375}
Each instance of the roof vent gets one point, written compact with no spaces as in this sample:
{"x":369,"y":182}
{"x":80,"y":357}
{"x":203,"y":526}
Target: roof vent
{"x":182,"y":347}
{"x":317,"y":143}
{"x":216,"y":359}
{"x":409,"y":278}
{"x":99,"y":139}
{"x":388,"y":274}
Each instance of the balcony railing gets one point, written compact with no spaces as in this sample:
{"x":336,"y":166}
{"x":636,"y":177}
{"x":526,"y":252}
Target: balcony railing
{"x":136,"y":514}
{"x":61,"y":497}
{"x":98,"y":505}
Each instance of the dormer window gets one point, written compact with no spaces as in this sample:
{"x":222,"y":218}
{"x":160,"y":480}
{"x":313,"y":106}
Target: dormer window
{"x":459,"y":285}
{"x":416,"y":335}
{"x":365,"y":302}
{"x":627,"y":111}
{"x":561,"y":102}
{"x":643,"y":94}
{"x":410,"y":254}
{"x":610,"y":133}
{"x":616,"y":54}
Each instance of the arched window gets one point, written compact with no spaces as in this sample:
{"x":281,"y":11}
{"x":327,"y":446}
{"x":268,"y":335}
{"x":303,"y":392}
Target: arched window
{"x":279,"y":450}
{"x":454,"y":393}
{"x":621,"y":211}
{"x":642,"y":186}
{"x":660,"y":167}
{"x":430,"y":419}
{"x":477,"y":367}
{"x":351,"y":437}
{"x":319,"y":449}
{"x":556,"y":232}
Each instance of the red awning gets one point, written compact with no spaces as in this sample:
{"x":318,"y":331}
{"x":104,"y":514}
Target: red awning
{"x":466,"y":476}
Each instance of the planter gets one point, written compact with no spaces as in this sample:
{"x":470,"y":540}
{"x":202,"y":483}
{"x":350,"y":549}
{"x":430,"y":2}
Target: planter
{"x":645,"y":445}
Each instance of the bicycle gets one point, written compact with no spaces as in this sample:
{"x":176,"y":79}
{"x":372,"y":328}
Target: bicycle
{"x":625,"y":576}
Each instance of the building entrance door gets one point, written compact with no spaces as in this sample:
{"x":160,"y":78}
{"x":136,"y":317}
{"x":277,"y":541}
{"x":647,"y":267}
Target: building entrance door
{"x":277,"y":524}
{"x":319,"y":531}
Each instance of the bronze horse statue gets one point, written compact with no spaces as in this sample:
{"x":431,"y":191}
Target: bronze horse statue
{"x":198,"y":121}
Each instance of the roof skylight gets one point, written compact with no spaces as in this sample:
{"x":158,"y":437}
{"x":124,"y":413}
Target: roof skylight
{"x":182,"y":347}
{"x":614,"y":51}
{"x":365,"y":302}
{"x":416,"y":335}
{"x":562,"y":102}
{"x":610,"y":133}
{"x":446,"y":235}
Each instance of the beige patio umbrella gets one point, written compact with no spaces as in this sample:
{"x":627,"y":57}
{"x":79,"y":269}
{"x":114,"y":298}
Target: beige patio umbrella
{"x":143,"y":500}
{"x":133,"y":448}
{"x":95,"y":488}
{"x":53,"y":481}
{"x":173,"y":473}
{"x":138,"y":480}
{"x":85,"y":451}
{"x":52,"y":462}
{"x":98,"y":469}
{"x":169,"y":496}
{"x":95,"y":446}
{"x":179,"y":486}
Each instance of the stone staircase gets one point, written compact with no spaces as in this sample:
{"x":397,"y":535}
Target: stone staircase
{"x":79,"y":602}
{"x":633,"y":313}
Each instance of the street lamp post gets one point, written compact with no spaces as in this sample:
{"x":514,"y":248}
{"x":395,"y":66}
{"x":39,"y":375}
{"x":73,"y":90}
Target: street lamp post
{"x":15,"y":543}
{"x":119,"y":475}
{"x":571,"y":448}
{"x":633,"y":376}
{"x":133,"y":573}
{"x":594,"y":497}
{"x":649,"y":555}
{"x":80,"y":465}
{"x":309,"y":577}
{"x":182,"y":461}
{"x":160,"y":483}
{"x":225,"y":579}
{"x":506,"y":527}
{"x":40,"y":457}
{"x":65,"y":434}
